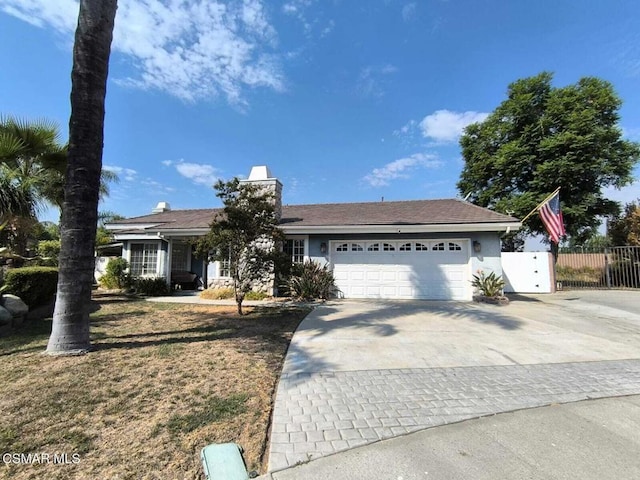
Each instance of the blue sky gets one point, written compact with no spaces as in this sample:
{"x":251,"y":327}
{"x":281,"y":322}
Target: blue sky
{"x":344,"y":100}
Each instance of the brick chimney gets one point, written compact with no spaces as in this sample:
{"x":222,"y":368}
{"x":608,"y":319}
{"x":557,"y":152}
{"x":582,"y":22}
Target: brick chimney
{"x":261,"y":175}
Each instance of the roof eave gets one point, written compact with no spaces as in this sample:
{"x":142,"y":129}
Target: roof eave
{"x":426,"y":228}
{"x":162,"y":234}
{"x":130,"y":226}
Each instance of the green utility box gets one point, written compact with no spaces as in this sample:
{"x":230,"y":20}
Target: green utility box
{"x":223,"y":461}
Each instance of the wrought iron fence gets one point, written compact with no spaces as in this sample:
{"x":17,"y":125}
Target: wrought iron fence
{"x":613,"y":267}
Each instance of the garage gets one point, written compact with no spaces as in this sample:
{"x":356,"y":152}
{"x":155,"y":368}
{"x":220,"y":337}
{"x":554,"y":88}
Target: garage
{"x":436,"y":269}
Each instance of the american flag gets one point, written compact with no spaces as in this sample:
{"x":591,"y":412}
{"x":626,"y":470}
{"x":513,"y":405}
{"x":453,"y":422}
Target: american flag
{"x":551,"y":216}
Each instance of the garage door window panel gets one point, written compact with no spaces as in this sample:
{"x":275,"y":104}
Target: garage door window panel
{"x":374,"y":247}
{"x":405,"y":247}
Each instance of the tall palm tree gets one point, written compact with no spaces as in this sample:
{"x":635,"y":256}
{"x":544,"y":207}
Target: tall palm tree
{"x":14,"y":200}
{"x":32,"y":169}
{"x":30,"y":154}
{"x":92,"y":47}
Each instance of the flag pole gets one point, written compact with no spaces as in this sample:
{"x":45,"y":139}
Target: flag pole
{"x":540,"y":204}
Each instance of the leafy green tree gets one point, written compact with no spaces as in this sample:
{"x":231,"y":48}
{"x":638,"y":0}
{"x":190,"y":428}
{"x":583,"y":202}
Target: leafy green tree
{"x":49,"y":250}
{"x":625,"y":229}
{"x":104,"y":236}
{"x":246,"y":235}
{"x":91,"y":51}
{"x":47,"y":231}
{"x":543,"y":137}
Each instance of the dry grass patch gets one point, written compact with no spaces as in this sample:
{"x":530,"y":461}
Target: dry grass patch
{"x":164,"y":381}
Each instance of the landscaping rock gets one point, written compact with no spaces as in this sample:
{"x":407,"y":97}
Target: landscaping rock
{"x":5,"y":316}
{"x":492,"y":300}
{"x":15,"y":305}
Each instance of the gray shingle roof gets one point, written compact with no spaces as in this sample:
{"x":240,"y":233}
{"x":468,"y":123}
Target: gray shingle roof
{"x":411,"y":212}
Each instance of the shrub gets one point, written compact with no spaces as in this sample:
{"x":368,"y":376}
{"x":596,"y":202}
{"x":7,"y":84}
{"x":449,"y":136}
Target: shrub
{"x":116,"y":275}
{"x":34,"y":285}
{"x":50,"y":251}
{"x":251,"y":295}
{"x":310,"y":280}
{"x":217,"y":293}
{"x":489,"y":285}
{"x":152,"y":287}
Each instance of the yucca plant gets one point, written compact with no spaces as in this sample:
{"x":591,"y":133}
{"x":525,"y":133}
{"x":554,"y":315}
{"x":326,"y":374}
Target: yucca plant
{"x":490,"y":285}
{"x":311,"y":280}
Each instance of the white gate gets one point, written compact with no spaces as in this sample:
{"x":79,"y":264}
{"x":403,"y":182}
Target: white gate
{"x":528,"y":272}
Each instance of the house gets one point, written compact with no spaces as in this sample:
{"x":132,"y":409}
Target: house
{"x":398,"y":250}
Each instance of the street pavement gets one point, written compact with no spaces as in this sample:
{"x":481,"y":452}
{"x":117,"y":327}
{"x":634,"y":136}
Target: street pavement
{"x":361,"y":372}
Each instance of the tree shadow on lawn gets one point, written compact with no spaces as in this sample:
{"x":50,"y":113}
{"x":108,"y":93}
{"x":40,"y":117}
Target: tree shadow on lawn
{"x":259,"y":325}
{"x":31,"y":331}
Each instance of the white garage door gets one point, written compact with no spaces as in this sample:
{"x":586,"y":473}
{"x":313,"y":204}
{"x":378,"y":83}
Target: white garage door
{"x":427,"y":269}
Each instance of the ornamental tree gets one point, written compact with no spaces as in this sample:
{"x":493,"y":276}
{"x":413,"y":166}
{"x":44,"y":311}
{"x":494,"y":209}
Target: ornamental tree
{"x":245,"y":234}
{"x":625,"y":229}
{"x":543,"y":137}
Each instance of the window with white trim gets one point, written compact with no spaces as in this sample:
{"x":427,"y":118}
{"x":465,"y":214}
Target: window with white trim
{"x":421,"y":247}
{"x":438,"y":246}
{"x":405,"y":247}
{"x":144,"y":259}
{"x":387,"y":247}
{"x":295,"y":248}
{"x":374,"y":247}
{"x":356,"y":247}
{"x":343,"y":247}
{"x":225,"y":268}
{"x":454,"y":246}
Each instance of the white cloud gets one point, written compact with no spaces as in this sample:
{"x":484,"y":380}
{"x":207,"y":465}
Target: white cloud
{"x":156,"y":186}
{"x":128,"y":174}
{"x":62,"y":15}
{"x":401,"y":168}
{"x":193,"y":50}
{"x":409,"y":11}
{"x":296,"y":9}
{"x":198,"y":173}
{"x":167,"y":163}
{"x":371,"y":81}
{"x":445,"y":126}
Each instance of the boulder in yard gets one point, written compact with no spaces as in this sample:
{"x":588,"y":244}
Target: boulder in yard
{"x":5,"y":316}
{"x":15,"y":305}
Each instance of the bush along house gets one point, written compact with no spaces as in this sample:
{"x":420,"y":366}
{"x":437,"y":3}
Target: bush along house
{"x":417,"y":249}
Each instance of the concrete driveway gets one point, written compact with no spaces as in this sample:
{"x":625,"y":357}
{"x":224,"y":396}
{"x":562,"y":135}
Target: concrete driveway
{"x":566,"y":327}
{"x":362,"y":371}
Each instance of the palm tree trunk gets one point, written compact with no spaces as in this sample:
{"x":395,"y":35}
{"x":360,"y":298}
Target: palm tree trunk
{"x":92,"y":47}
